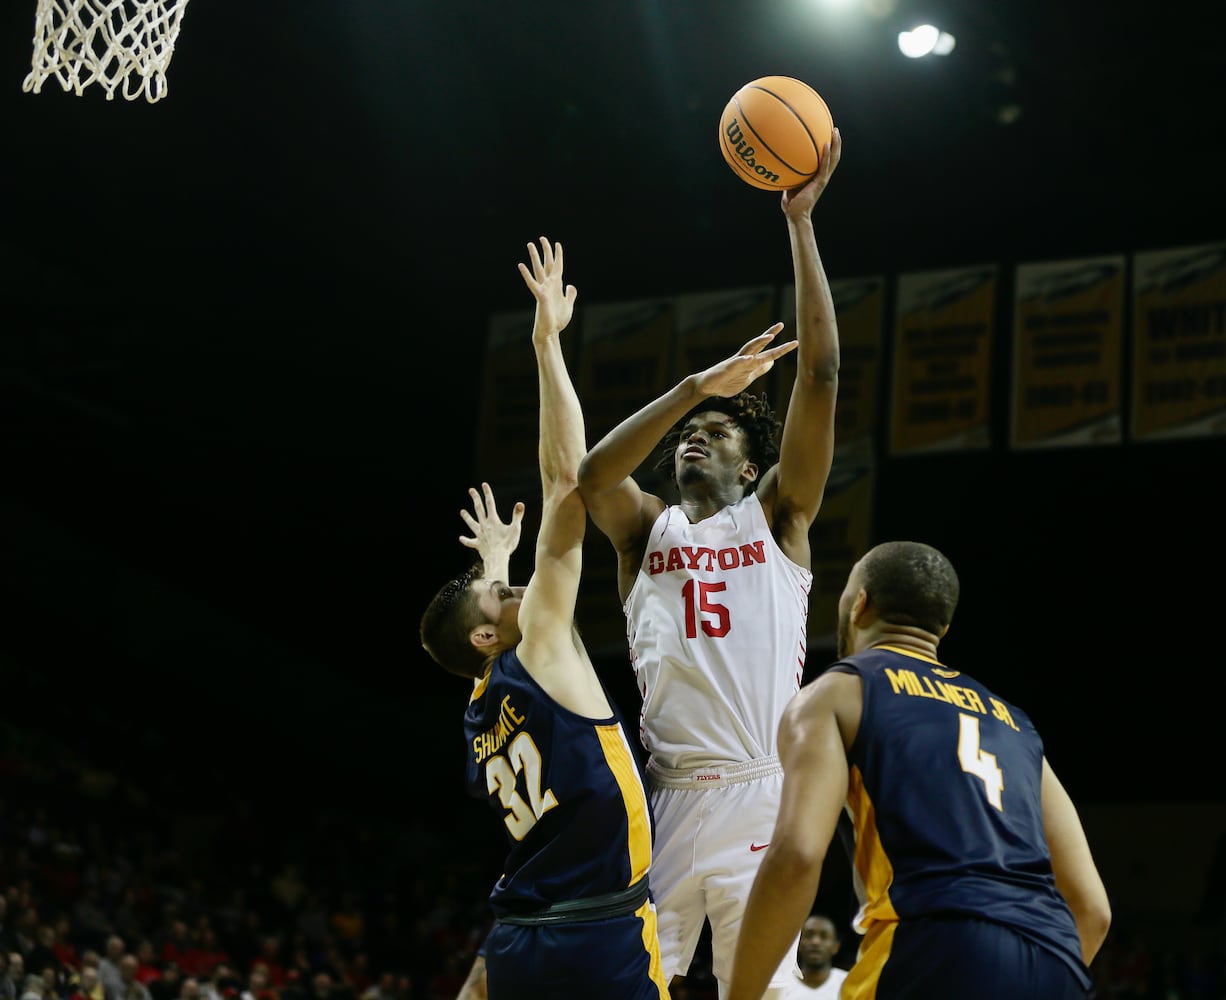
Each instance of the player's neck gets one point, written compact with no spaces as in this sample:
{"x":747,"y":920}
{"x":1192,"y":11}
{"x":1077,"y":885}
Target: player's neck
{"x":815,"y":975}
{"x":913,"y":640}
{"x":699,"y":505}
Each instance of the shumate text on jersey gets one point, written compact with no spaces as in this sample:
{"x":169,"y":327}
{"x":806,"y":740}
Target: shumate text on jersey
{"x":716,"y":622}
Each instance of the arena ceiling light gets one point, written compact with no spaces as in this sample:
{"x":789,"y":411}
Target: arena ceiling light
{"x":925,"y":40}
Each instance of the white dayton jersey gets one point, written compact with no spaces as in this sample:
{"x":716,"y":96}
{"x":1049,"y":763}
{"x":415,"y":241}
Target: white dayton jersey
{"x":717,"y":624}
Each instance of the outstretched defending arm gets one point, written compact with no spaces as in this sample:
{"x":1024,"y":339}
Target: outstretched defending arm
{"x":548,"y":607}
{"x":562,"y":442}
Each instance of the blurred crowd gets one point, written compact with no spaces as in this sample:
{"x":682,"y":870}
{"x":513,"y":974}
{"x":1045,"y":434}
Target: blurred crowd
{"x":111,"y":892}
{"x":108,"y":892}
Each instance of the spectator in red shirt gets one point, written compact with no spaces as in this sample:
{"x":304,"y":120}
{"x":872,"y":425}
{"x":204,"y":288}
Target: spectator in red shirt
{"x":177,"y":944}
{"x":270,"y":957}
{"x":65,"y":951}
{"x":147,"y":968}
{"x":206,"y":954}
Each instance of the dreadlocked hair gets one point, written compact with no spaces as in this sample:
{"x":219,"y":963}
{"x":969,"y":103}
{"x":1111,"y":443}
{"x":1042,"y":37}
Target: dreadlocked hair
{"x":752,"y":413}
{"x":448,"y":619}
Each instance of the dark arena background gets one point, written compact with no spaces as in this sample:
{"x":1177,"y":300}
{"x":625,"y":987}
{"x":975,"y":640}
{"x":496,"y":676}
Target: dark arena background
{"x":248,"y":371}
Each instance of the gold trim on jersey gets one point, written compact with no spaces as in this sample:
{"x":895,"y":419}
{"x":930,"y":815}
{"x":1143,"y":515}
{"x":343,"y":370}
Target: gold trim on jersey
{"x":872,"y":866}
{"x":912,"y":654}
{"x":651,"y":944}
{"x":621,"y":763}
{"x":861,"y":982}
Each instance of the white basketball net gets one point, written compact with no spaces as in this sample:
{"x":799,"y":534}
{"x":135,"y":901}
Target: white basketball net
{"x":118,"y":44}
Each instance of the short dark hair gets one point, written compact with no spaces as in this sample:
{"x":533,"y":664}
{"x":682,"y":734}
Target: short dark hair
{"x":447,"y":621}
{"x":911,"y":583}
{"x":751,"y":413}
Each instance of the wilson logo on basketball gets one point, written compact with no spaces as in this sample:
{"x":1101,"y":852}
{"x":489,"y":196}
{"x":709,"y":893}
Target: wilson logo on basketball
{"x":741,"y":147}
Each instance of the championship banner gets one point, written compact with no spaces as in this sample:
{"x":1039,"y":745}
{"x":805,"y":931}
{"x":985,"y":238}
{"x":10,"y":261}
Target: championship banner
{"x":859,"y":306}
{"x":509,"y":423}
{"x":1179,"y":343}
{"x":944,"y":325}
{"x":840,"y":535}
{"x":1068,"y":331}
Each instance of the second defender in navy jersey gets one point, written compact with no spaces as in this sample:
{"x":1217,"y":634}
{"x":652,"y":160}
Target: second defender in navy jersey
{"x":547,"y":750}
{"x":973,"y":871}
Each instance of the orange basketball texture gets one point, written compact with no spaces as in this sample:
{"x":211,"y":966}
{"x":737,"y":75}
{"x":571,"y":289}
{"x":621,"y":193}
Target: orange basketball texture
{"x":773,"y":131}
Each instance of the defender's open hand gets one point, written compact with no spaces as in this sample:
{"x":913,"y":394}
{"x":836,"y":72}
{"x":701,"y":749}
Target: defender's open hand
{"x":555,"y":302}
{"x":493,"y":539}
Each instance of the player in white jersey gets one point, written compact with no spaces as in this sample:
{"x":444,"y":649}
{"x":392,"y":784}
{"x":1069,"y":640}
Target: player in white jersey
{"x":715,"y":591}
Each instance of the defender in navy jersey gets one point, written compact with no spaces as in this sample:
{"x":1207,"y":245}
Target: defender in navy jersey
{"x":974,"y":874}
{"x":547,"y":750}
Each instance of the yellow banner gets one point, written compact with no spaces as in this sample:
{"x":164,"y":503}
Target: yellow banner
{"x":1068,"y":328}
{"x":1179,"y":343}
{"x":859,"y":304}
{"x":944,"y":326}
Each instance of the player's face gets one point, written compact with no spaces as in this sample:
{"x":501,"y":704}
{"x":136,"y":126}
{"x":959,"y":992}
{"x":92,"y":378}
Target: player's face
{"x":500,"y":603}
{"x":818,"y":942}
{"x":712,"y":446}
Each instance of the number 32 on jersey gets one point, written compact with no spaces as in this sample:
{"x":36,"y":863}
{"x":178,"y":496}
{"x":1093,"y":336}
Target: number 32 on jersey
{"x":502,"y":773}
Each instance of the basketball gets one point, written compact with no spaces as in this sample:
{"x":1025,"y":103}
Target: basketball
{"x":773,"y":131}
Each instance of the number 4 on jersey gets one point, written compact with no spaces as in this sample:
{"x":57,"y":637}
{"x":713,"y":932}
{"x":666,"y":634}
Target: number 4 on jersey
{"x":979,"y":762}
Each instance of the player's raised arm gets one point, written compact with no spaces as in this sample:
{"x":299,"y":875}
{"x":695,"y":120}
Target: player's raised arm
{"x":806,"y":448}
{"x":549,"y":603}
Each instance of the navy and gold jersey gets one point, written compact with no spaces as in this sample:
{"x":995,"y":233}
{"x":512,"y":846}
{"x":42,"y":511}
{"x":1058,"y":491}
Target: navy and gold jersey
{"x":944,"y":796}
{"x":567,"y":789}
